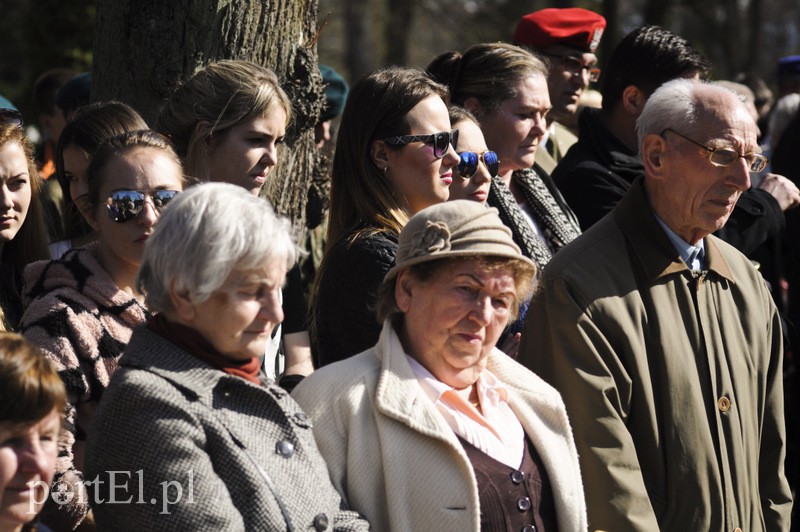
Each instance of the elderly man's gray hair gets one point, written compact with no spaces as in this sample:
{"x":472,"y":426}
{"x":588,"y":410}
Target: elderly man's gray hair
{"x":204,"y":235}
{"x":675,"y":105}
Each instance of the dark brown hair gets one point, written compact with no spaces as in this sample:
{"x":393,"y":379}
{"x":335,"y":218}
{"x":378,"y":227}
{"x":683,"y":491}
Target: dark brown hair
{"x":87,"y":129}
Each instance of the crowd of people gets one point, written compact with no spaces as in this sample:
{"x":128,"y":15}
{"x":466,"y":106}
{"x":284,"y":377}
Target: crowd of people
{"x":512,"y":310}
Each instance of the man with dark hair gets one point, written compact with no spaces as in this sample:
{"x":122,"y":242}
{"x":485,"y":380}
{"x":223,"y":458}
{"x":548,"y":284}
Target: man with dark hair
{"x":568,"y":39}
{"x":602,"y":165}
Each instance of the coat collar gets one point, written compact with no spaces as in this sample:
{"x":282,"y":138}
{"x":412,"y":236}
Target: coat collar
{"x":152,"y":352}
{"x":650,"y":244}
{"x":399,"y":396}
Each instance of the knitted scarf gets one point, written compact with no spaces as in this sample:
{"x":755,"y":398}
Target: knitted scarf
{"x":558,"y":227}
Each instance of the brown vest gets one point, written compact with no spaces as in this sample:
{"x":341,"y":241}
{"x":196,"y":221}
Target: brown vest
{"x":513,"y":499}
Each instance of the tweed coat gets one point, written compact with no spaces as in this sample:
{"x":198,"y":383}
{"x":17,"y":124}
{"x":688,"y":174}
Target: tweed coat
{"x":243,"y":455}
{"x":81,"y":321}
{"x":396,"y":460}
{"x":672,"y":378}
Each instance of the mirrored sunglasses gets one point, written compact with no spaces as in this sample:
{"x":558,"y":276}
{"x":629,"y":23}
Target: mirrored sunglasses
{"x":469,"y":160}
{"x":125,"y":205}
{"x":440,"y":141}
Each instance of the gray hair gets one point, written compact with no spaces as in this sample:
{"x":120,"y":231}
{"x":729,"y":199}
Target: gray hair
{"x":675,"y":105}
{"x":204,"y":235}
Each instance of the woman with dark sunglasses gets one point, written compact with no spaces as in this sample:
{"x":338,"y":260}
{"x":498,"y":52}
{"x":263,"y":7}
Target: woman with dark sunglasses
{"x":23,"y":233}
{"x":395,"y":155}
{"x":477,"y":165}
{"x":82,"y":308}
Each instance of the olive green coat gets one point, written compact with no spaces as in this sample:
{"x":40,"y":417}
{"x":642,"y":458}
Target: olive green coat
{"x":671,"y":378}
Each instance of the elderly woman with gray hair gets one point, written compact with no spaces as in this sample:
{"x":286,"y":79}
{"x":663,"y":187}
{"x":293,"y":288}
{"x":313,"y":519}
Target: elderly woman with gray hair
{"x":190,"y":434}
{"x":434,"y":428}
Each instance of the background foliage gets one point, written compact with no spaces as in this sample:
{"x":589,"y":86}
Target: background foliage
{"x":361,"y":35}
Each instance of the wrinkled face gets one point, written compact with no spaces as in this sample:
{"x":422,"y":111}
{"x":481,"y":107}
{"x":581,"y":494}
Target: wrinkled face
{"x":246,"y":153}
{"x":143,"y":169}
{"x":475,"y":188}
{"x":27,"y":463}
{"x":567,"y":78}
{"x":453,"y":321}
{"x":15,"y":190}
{"x":76,"y":161}
{"x":516,"y":127}
{"x":415,"y":173}
{"x":695,"y":198}
{"x":240,"y":316}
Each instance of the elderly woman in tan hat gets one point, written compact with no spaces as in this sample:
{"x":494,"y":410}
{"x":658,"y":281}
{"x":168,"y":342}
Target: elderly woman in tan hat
{"x":434,"y":428}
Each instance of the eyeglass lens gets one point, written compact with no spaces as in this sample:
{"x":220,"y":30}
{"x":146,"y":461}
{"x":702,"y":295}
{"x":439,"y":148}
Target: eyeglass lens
{"x":723,"y":157}
{"x":576,"y":68}
{"x":442,"y":141}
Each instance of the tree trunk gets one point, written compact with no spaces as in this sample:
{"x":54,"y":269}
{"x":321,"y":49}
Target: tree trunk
{"x":752,"y":51}
{"x":143,"y":47}
{"x":655,"y":12}
{"x":359,"y":56}
{"x":613,"y":33}
{"x":397,"y":31}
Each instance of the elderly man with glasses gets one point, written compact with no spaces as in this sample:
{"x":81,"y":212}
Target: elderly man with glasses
{"x":664,"y":340}
{"x":568,"y":39}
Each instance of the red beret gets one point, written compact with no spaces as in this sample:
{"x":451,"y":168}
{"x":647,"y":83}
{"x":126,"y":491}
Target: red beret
{"x":573,"y":26}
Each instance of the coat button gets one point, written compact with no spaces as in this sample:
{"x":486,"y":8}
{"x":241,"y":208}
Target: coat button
{"x":524,"y":504}
{"x":737,"y":529}
{"x":321,"y":522}
{"x":285,"y":448}
{"x":724,"y":404}
{"x":529,"y":528}
{"x":517,"y":477}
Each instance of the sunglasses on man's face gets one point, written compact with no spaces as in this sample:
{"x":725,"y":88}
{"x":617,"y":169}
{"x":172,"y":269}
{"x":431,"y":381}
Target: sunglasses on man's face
{"x":11,"y":116}
{"x":441,"y":141}
{"x":469,"y":160}
{"x":125,"y":205}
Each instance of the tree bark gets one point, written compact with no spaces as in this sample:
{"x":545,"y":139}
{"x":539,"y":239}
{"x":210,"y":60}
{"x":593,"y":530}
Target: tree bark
{"x":142,"y":48}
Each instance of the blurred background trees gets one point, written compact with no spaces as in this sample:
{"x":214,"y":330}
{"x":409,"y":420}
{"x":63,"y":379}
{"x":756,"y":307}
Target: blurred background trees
{"x":361,"y":35}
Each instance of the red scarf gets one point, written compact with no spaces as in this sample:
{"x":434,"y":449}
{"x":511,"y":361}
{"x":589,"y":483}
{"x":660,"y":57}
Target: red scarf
{"x":195,"y":343}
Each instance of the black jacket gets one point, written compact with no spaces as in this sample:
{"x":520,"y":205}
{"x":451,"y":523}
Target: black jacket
{"x":344,"y":316}
{"x":599,"y":169}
